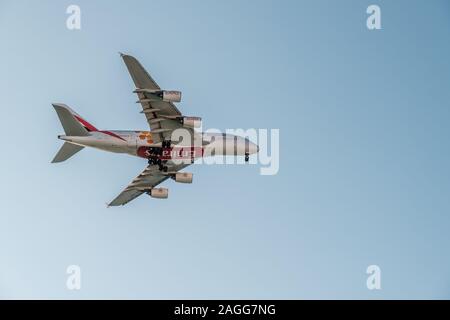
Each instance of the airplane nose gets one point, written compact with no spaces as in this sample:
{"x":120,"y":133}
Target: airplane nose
{"x":254,"y":148}
{"x":250,"y":147}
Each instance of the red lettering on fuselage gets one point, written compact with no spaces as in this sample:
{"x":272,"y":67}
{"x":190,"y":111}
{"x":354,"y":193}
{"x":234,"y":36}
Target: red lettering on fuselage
{"x":172,"y":153}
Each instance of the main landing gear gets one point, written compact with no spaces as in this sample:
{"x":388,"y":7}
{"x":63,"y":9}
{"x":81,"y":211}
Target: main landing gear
{"x":247,"y":157}
{"x":166,"y":144}
{"x":160,"y":163}
{"x":155,"y":153}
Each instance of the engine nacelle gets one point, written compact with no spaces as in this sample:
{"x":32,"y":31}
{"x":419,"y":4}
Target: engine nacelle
{"x":169,"y":96}
{"x":183,"y":177}
{"x":157,"y":95}
{"x":191,"y":122}
{"x":159,"y":193}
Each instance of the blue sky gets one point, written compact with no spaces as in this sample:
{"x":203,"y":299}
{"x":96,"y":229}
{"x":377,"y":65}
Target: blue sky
{"x":364,"y":177}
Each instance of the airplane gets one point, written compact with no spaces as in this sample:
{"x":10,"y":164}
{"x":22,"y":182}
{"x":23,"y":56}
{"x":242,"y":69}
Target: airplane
{"x":165,"y":157}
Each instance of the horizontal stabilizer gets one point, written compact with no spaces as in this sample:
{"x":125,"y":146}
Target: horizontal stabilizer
{"x":66,"y":151}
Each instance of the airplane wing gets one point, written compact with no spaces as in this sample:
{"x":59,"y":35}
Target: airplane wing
{"x":147,"y":179}
{"x":156,"y":112}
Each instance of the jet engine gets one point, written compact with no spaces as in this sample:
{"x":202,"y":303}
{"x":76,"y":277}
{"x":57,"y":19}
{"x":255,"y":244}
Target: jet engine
{"x":183,"y":177}
{"x":158,"y":95}
{"x":169,"y":96}
{"x":191,"y":122}
{"x":159,"y":193}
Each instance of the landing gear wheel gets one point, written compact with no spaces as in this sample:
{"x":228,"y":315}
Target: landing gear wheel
{"x":166,"y":143}
{"x":163,"y":168}
{"x":154,"y":160}
{"x":247,"y":157}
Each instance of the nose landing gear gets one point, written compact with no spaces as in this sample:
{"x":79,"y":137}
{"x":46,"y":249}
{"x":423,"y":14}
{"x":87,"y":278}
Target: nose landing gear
{"x":247,"y":157}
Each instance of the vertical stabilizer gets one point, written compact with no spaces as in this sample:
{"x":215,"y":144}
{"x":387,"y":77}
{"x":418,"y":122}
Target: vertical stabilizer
{"x":72,"y":127}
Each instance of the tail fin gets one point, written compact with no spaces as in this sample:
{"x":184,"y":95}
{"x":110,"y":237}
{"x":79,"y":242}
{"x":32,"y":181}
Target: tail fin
{"x":66,"y":151}
{"x":73,"y":123}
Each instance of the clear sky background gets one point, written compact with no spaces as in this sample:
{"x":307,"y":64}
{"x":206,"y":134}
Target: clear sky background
{"x":364,"y":172}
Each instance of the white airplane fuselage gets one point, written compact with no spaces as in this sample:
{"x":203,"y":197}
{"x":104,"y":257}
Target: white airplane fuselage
{"x":139,"y":143}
